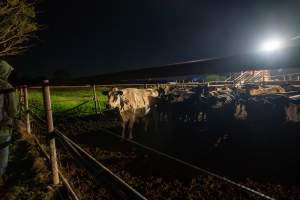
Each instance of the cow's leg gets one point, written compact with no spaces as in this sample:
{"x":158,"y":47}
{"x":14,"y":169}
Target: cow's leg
{"x":131,"y":123}
{"x":204,"y":116}
{"x":166,"y":116}
{"x":185,"y":118}
{"x":156,"y":116}
{"x":123,"y":129}
{"x":161,"y":116}
{"x":146,"y":124}
{"x":200,"y":116}
{"x":195,"y":116}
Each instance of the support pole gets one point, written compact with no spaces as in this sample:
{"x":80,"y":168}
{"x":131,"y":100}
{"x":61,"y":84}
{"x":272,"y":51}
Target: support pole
{"x":27,"y":115}
{"x":50,"y":127}
{"x":21,"y":97}
{"x":95,"y":99}
{"x":20,"y":105}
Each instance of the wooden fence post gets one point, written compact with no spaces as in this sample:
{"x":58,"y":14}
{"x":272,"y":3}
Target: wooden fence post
{"x":21,"y":100}
{"x":95,"y":99}
{"x":26,"y":105}
{"x":20,"y":103}
{"x":50,"y":127}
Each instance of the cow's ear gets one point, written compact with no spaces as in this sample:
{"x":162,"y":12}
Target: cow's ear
{"x":120,"y":92}
{"x":114,"y":89}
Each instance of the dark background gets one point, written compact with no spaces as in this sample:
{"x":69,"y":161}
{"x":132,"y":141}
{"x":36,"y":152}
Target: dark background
{"x":95,"y":37}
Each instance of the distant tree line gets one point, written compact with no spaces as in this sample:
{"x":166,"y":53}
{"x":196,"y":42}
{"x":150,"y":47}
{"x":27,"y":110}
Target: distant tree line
{"x":58,"y":77}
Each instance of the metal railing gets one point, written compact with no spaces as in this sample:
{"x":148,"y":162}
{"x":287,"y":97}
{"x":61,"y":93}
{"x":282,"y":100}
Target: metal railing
{"x":259,"y":76}
{"x":62,"y":153}
{"x":69,"y":150}
{"x":189,"y":165}
{"x":285,"y":77}
{"x":88,"y":162}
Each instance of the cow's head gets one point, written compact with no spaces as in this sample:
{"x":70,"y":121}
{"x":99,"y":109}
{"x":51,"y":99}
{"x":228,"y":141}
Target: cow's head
{"x":220,"y":100}
{"x":241,"y":109}
{"x":293,"y":109}
{"x":115,"y":98}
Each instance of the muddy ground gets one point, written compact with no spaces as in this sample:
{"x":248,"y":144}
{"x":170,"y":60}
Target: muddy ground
{"x":262,"y":158}
{"x":28,"y":174}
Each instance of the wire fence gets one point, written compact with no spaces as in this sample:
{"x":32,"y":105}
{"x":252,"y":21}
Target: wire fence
{"x":81,"y":169}
{"x":77,"y":165}
{"x":76,"y":101}
{"x":90,"y":179}
{"x":221,"y":178}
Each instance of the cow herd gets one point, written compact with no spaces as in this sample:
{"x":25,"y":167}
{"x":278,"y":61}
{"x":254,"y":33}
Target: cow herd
{"x":215,"y":106}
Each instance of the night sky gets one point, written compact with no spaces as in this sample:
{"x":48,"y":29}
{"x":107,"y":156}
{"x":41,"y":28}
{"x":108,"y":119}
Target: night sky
{"x":94,"y":37}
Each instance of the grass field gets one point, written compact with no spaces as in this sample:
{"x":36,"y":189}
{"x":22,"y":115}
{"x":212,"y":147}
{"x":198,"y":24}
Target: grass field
{"x":68,"y":101}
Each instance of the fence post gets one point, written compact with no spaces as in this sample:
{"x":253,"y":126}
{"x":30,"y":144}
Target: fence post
{"x":20,"y":105}
{"x":21,"y":100}
{"x":27,"y":115}
{"x":95,"y":99}
{"x":298,"y":77}
{"x":50,"y":127}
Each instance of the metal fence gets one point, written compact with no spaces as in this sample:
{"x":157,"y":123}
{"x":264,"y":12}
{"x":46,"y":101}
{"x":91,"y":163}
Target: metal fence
{"x":80,"y":172}
{"x":70,"y":164}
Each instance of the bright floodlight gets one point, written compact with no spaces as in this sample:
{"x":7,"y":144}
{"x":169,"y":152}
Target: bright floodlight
{"x":271,"y":45}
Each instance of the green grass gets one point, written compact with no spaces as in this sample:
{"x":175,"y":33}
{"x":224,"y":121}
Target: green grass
{"x":64,"y":100}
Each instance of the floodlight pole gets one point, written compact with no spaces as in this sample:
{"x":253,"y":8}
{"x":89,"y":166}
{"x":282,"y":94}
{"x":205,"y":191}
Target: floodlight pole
{"x":50,"y":127}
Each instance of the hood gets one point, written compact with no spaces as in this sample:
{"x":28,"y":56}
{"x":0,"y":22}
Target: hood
{"x":5,"y":70}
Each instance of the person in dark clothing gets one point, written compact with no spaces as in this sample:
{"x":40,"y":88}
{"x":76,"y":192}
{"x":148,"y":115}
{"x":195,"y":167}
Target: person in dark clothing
{"x":8,"y":111}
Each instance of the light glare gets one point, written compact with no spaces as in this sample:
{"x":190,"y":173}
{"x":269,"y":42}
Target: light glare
{"x":271,"y":45}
